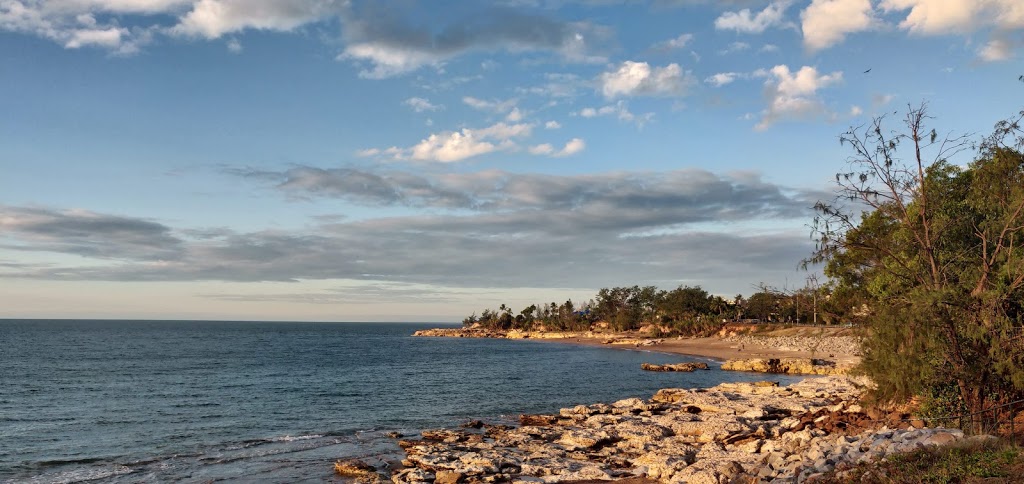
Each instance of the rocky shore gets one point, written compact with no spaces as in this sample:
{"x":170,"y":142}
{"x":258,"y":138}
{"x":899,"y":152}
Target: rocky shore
{"x":846,"y":345}
{"x":734,"y":432}
{"x":791,"y":366}
{"x":685,"y":367}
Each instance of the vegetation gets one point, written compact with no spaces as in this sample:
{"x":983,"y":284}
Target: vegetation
{"x":685,"y":310}
{"x":935,"y":252}
{"x":957,"y":463}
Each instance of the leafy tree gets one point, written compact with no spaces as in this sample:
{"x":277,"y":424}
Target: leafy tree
{"x":763,"y":305}
{"x":937,"y":252}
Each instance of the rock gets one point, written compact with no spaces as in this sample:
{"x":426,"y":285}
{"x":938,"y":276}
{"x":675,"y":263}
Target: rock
{"x":941,"y":438}
{"x":687,"y":367}
{"x":537,"y":420}
{"x":448,"y":477}
{"x":751,"y":447}
{"x":411,"y":476}
{"x":473,"y":424}
{"x":730,"y":470}
{"x":795,"y":366}
{"x":584,"y":440}
{"x":353,"y":468}
{"x":394,"y":435}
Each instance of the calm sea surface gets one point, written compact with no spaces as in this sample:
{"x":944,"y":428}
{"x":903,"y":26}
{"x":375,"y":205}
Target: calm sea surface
{"x":157,"y":401}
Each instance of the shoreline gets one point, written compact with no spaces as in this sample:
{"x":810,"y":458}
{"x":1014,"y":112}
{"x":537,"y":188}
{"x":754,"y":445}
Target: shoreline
{"x":732,"y":432}
{"x":728,"y":345}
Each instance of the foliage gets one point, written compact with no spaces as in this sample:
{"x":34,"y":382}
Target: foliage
{"x":937,"y":253}
{"x":957,"y":463}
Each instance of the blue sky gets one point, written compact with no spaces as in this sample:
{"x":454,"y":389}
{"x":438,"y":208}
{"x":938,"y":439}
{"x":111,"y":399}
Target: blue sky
{"x":345,"y":160}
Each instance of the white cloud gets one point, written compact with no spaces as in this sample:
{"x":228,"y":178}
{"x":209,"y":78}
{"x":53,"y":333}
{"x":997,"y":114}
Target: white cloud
{"x":769,"y":48}
{"x":828,"y":22}
{"x":234,"y":46}
{"x":515,"y":115}
{"x":544,"y":149}
{"x":735,"y":47}
{"x":552,"y":125}
{"x":620,"y":110}
{"x":1005,"y":19}
{"x":722,"y":78}
{"x":794,"y":95}
{"x":996,"y":50}
{"x":572,"y":147}
{"x":110,"y":37}
{"x":639,"y":79}
{"x":387,"y":61}
{"x":213,"y":18}
{"x":878,"y":100}
{"x":856,"y":111}
{"x":675,"y":43}
{"x":940,"y":17}
{"x":420,"y":104}
{"x":747,"y":22}
{"x":494,"y":105}
{"x":452,"y":146}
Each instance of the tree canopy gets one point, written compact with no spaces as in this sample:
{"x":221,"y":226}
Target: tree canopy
{"x":936,"y":252}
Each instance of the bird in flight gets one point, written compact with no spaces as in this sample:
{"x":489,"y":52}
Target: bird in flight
{"x":867,"y":71}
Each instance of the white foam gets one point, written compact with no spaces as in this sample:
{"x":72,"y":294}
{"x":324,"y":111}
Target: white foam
{"x":82,"y":475}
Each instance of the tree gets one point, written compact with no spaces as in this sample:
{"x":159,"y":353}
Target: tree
{"x":937,"y":250}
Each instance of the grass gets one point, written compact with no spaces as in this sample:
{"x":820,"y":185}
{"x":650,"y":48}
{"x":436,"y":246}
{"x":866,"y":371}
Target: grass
{"x":994,"y":462}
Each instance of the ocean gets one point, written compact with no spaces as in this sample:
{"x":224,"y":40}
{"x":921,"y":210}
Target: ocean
{"x":198,"y":401}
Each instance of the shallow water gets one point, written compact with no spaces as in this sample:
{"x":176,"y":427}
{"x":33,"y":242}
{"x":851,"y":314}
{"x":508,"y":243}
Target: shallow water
{"x":149,"y":401}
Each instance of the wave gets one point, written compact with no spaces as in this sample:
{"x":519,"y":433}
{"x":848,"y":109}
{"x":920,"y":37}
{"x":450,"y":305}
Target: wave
{"x":81,"y":475}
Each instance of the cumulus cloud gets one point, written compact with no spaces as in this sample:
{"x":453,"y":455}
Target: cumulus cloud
{"x":827,"y":22}
{"x":212,"y":19}
{"x":1001,"y":47}
{"x":420,"y":104}
{"x":679,"y":42}
{"x":452,"y":146}
{"x":620,"y":110}
{"x":572,"y":147}
{"x":940,"y":17}
{"x":640,"y":79}
{"x":746,"y":21}
{"x":793,"y":95}
{"x":552,"y":125}
{"x":722,"y":78}
{"x":82,"y":23}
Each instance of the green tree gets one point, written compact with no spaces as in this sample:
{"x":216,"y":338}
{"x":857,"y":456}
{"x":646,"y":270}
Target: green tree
{"x":937,"y":252}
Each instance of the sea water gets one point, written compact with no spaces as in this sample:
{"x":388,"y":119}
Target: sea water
{"x":197,"y":401}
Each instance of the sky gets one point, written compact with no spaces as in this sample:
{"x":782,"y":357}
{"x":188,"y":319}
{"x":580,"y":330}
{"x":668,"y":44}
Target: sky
{"x":419,"y":161}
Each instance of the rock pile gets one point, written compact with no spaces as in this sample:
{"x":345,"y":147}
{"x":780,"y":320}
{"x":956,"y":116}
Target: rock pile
{"x":791,"y":366}
{"x":634,"y":341}
{"x":461,"y":333}
{"x":734,"y":432}
{"x":674,"y":367}
{"x":836,"y":345}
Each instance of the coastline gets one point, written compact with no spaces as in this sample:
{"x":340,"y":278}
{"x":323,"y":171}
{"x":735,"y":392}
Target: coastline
{"x":733,"y":432}
{"x":740,"y":342}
